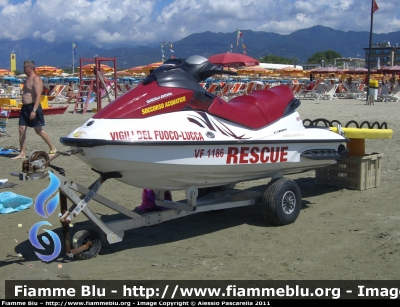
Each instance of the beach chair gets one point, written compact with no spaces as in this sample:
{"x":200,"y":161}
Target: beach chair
{"x":11,"y":92}
{"x":396,"y":95}
{"x":213,"y":88}
{"x":319,"y":91}
{"x":249,"y":88}
{"x":341,"y":91}
{"x":296,"y":89}
{"x":239,"y":89}
{"x":307,"y":91}
{"x":330,"y":92}
{"x":225,"y":90}
{"x":383,"y":95}
{"x":56,"y":94}
{"x":4,"y":116}
{"x":121,"y":89}
{"x":235,"y":90}
{"x":266,"y":86}
{"x":259,"y":85}
{"x":127,"y":87}
{"x":359,"y":92}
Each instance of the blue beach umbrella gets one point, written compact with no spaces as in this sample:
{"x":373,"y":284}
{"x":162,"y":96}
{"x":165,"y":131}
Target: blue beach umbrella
{"x":12,"y":79}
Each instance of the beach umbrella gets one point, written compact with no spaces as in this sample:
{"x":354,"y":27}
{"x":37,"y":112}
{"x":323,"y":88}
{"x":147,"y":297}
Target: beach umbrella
{"x":328,"y":70}
{"x":5,"y":72}
{"x":64,"y":74}
{"x":391,"y":69}
{"x":48,"y":71}
{"x":359,"y":70}
{"x":230,"y":69}
{"x":11,"y":79}
{"x":289,"y":70}
{"x":123,"y":73}
{"x":88,"y":69}
{"x":146,"y":69}
{"x":73,"y":79}
{"x":314,"y":70}
{"x":230,"y":59}
{"x":252,"y":70}
{"x":135,"y":70}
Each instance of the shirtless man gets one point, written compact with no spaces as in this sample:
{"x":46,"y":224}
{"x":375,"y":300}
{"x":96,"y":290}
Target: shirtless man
{"x":31,"y":114}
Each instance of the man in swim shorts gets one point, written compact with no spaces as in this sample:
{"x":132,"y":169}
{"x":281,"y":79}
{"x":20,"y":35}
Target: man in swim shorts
{"x":31,"y":114}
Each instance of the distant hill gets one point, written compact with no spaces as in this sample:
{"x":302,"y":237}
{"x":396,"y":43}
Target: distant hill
{"x":300,"y":44}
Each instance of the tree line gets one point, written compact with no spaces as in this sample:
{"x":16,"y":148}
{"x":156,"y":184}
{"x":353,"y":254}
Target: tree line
{"x":327,"y":56}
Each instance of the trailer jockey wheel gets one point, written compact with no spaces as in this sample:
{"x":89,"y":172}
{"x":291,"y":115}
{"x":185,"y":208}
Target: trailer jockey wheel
{"x":83,"y":237}
{"x":281,"y":202}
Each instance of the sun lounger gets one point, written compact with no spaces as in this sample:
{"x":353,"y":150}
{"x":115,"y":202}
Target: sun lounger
{"x":213,"y":88}
{"x":56,"y":95}
{"x":330,"y":92}
{"x":250,"y":87}
{"x":4,"y":116}
{"x":296,"y":89}
{"x":127,"y":87}
{"x":383,"y":94}
{"x":235,"y":89}
{"x":395,"y":96}
{"x":318,"y":91}
{"x":11,"y":92}
{"x":307,"y":92}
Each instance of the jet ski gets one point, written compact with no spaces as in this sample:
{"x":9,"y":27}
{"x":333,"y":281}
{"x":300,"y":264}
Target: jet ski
{"x":169,"y":133}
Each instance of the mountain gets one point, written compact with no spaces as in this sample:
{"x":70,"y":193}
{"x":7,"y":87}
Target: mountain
{"x":300,"y":44}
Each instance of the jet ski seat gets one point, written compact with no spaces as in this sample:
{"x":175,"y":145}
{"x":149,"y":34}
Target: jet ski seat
{"x":258,"y":109}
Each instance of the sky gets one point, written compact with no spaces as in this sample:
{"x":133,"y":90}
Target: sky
{"x":153,"y":21}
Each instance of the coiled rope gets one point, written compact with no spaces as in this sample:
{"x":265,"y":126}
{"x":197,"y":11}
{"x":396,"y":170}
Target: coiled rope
{"x":332,"y":123}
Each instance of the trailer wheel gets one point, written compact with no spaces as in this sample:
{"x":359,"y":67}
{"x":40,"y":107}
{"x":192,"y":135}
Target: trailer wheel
{"x":281,"y":202}
{"x":83,"y":237}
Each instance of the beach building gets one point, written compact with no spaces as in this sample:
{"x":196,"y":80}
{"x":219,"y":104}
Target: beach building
{"x":383,"y":54}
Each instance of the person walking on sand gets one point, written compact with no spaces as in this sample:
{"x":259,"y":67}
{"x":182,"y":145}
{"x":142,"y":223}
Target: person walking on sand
{"x":31,"y":114}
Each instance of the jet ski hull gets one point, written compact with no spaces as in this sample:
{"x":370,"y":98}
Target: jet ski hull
{"x":150,"y":155}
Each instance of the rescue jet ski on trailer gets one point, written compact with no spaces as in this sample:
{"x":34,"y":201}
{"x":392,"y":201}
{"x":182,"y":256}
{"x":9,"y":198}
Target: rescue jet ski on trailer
{"x":169,"y":133}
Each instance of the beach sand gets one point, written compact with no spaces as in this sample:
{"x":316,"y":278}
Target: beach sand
{"x":340,"y":234}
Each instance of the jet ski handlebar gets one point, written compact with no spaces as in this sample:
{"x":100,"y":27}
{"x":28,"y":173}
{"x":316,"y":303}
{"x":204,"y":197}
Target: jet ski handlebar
{"x":183,"y":72}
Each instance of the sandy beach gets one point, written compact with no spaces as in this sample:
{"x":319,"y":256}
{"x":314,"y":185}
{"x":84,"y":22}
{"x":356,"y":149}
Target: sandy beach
{"x":340,"y":234}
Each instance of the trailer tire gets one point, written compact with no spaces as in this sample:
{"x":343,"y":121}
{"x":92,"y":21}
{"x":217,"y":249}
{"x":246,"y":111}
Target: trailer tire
{"x":281,"y":202}
{"x":82,"y":237}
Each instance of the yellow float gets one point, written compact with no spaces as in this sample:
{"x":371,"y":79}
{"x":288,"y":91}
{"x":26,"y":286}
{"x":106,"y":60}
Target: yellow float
{"x":357,"y":137}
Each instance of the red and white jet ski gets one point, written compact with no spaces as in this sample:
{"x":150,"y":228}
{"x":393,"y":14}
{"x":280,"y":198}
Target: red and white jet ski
{"x":169,"y":133}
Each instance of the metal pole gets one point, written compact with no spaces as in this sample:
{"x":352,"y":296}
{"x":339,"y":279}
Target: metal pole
{"x":369,"y":48}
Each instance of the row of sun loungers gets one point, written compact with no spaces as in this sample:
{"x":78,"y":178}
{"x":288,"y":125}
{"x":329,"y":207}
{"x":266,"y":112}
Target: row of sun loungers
{"x":386,"y":94}
{"x":58,"y":94}
{"x":303,"y":91}
{"x":228,"y":90}
{"x":10,"y":92}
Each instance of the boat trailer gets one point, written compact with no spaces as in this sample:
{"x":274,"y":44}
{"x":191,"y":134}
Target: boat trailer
{"x":280,"y":204}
